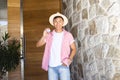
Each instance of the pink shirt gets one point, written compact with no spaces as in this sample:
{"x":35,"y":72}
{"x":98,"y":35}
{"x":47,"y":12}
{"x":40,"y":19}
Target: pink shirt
{"x":65,"y":49}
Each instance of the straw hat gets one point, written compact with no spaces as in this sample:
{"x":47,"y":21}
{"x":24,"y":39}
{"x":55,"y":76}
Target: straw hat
{"x":58,"y":14}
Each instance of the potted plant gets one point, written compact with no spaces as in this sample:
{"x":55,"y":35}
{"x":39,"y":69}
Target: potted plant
{"x":9,"y":54}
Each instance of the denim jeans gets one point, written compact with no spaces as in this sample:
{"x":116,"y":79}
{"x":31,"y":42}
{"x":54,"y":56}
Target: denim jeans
{"x":59,"y":73}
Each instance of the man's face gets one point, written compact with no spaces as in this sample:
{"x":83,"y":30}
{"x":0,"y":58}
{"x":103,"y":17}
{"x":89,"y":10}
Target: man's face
{"x":58,"y":23}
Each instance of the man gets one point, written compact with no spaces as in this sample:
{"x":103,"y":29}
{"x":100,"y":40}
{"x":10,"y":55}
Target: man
{"x":60,"y":48}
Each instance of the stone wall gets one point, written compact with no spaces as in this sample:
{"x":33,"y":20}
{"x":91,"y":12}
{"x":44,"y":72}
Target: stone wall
{"x":95,"y":25}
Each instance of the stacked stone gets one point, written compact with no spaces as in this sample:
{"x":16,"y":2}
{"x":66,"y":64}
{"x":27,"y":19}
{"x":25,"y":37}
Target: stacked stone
{"x":95,"y":25}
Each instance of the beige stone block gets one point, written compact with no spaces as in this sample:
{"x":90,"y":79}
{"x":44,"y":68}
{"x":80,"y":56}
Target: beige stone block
{"x":83,"y":24}
{"x":85,"y":13}
{"x":114,"y":52}
{"x":106,"y":3}
{"x":106,"y":38}
{"x":102,"y":25}
{"x":75,"y":4}
{"x":116,"y":63}
{"x":87,"y":31}
{"x":109,"y":69}
{"x":98,"y":51}
{"x":69,"y":2}
{"x":117,"y":76}
{"x":114,"y":40}
{"x":96,"y":76}
{"x":92,"y":28}
{"x":81,"y":35}
{"x":105,"y":48}
{"x":84,"y":4}
{"x":76,"y":18}
{"x":89,"y":55}
{"x":92,"y":11}
{"x":100,"y":10}
{"x":114,"y":24}
{"x":114,"y":9}
{"x":85,"y":57}
{"x":85,"y":46}
{"x":78,"y":6}
{"x":93,"y":2}
{"x":117,"y":69}
{"x":93,"y":68}
{"x":93,"y":41}
{"x":111,"y":40}
{"x":113,"y":20}
{"x":101,"y":66}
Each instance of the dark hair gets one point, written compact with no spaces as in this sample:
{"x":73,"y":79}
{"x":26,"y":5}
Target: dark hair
{"x":58,"y":17}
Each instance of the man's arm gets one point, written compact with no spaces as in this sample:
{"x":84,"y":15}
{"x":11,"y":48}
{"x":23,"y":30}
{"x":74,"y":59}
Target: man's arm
{"x":73,"y":51}
{"x":42,"y":41}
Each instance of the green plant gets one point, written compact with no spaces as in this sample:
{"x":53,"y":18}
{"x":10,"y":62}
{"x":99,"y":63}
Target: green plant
{"x":9,"y":54}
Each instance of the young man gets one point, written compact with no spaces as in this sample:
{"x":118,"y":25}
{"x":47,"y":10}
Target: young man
{"x":60,"y":48}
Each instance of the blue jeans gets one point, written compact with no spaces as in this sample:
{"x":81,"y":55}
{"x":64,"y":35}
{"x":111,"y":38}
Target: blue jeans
{"x":59,"y":73}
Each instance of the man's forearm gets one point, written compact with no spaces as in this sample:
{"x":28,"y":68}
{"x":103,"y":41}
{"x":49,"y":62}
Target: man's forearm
{"x":73,"y":52}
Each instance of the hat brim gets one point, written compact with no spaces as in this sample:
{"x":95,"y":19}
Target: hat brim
{"x":58,"y":14}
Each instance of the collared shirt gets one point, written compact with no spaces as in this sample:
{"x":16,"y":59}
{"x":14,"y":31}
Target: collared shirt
{"x":65,"y":48}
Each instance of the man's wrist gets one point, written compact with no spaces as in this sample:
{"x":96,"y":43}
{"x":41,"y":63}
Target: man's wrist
{"x":70,"y":59}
